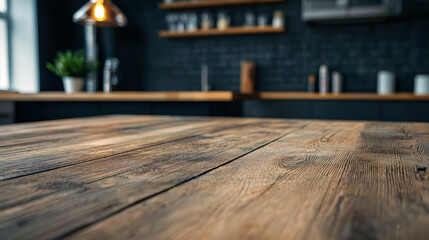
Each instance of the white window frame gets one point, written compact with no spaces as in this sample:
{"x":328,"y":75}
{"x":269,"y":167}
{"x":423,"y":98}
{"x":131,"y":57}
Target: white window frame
{"x":6,"y":16}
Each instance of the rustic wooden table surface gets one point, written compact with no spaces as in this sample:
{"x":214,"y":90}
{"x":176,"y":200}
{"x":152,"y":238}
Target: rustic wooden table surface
{"x":142,"y":177}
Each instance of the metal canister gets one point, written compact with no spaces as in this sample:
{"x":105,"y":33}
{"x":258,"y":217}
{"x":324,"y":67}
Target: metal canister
{"x":337,"y":83}
{"x":323,"y":79}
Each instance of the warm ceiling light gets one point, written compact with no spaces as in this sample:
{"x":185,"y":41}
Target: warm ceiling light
{"x":100,"y":13}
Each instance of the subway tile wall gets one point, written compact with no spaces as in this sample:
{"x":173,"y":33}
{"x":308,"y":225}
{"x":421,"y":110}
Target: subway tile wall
{"x":284,"y":61}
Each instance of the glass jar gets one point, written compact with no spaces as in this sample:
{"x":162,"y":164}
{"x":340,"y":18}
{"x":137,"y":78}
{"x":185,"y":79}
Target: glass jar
{"x":278,"y":19}
{"x":206,"y":21}
{"x":262,"y":20}
{"x":223,"y":21}
{"x":249,"y":19}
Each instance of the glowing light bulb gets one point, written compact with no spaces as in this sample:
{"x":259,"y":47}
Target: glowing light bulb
{"x":99,"y":11}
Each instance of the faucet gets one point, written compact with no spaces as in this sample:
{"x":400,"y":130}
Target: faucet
{"x":110,"y":75}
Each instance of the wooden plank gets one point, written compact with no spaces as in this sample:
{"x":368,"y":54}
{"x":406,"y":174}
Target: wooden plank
{"x":57,"y":125}
{"x":342,"y":96}
{"x":35,"y":132}
{"x":228,"y":31}
{"x":110,"y":144}
{"x":218,"y":96}
{"x":31,"y":143}
{"x":246,"y":178}
{"x":26,"y":132}
{"x":80,"y":195}
{"x":211,"y":3}
{"x":335,"y":181}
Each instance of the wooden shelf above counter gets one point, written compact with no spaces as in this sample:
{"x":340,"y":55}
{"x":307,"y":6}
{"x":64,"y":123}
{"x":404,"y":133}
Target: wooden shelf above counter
{"x":228,"y":31}
{"x":211,"y":3}
{"x":342,"y":96}
{"x":212,"y":96}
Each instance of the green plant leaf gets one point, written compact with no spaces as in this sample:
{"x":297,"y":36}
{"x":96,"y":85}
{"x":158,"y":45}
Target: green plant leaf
{"x":71,"y":64}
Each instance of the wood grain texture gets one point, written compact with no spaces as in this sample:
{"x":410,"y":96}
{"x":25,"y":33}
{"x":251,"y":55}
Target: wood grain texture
{"x":47,"y":155}
{"x":248,"y":77}
{"x":228,"y":178}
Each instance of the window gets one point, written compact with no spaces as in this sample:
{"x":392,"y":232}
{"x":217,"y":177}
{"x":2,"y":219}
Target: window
{"x":4,"y":46}
{"x":19,"y":56}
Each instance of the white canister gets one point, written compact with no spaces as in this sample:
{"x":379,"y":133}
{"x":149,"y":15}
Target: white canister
{"x":421,"y":85}
{"x":278,"y":19}
{"x":385,"y":83}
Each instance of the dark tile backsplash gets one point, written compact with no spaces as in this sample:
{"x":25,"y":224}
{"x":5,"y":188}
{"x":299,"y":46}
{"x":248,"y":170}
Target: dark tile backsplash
{"x":284,"y":60}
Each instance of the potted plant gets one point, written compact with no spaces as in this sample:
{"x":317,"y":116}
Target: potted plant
{"x":72,"y":68}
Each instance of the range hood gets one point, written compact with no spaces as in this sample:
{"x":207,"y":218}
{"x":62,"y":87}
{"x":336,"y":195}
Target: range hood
{"x":349,"y":10}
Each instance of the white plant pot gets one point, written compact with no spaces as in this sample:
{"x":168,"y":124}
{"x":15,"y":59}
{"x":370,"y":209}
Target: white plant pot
{"x":73,"y":84}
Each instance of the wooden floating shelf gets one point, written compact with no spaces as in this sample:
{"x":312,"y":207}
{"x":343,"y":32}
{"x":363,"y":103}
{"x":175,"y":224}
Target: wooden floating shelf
{"x":211,"y":3}
{"x":219,"y":96}
{"x":342,"y":96}
{"x":216,"y":32}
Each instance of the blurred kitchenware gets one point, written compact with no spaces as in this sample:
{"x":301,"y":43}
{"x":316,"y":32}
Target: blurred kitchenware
{"x":181,"y":24}
{"x":249,"y":19}
{"x":421,"y":85}
{"x":206,"y":21}
{"x":337,"y":83}
{"x":111,"y":75}
{"x":192,"y":23}
{"x":311,"y":88}
{"x":262,"y":20}
{"x":223,"y":21}
{"x":248,"y":77}
{"x":278,"y":19}
{"x":385,"y":82}
{"x":323,"y":79}
{"x":172,"y":21}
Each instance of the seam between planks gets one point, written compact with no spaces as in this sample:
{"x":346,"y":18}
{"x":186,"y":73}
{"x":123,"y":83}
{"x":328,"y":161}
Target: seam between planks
{"x":71,"y":232}
{"x":116,"y":154}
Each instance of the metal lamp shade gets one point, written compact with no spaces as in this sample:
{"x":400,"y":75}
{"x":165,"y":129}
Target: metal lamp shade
{"x":101,"y":13}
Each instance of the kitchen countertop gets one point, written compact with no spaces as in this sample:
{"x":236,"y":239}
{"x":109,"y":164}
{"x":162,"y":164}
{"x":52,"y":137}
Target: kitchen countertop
{"x":401,"y":96}
{"x":147,"y":177}
{"x":212,"y":96}
{"x":221,"y":96}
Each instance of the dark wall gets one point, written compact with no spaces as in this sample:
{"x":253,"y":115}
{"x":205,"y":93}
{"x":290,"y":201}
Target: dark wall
{"x":340,"y":110}
{"x":41,"y":111}
{"x":284,"y":60}
{"x":56,"y":32}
